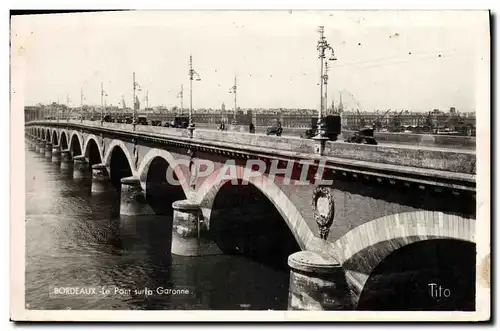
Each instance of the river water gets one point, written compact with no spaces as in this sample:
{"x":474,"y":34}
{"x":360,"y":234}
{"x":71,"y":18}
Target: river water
{"x":77,"y":240}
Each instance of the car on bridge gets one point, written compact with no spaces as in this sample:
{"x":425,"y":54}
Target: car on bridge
{"x":180,"y":122}
{"x":142,"y":120}
{"x":363,"y":136}
{"x":275,"y":129}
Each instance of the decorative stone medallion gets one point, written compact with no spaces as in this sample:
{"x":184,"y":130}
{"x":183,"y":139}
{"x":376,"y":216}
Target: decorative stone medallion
{"x":324,"y":209}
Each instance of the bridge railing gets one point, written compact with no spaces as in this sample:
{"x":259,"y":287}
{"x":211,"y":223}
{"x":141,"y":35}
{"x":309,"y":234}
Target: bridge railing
{"x":458,"y":161}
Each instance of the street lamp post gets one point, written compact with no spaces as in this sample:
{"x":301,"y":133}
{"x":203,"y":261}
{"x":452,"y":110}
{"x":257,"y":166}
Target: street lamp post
{"x":57,"y":109}
{"x":68,"y":112}
{"x":234,"y":90}
{"x":325,"y":79}
{"x":102,"y":107}
{"x":81,"y":105}
{"x":103,"y":103}
{"x":135,"y":86}
{"x":181,"y":96}
{"x":323,"y":47}
{"x":192,"y":74}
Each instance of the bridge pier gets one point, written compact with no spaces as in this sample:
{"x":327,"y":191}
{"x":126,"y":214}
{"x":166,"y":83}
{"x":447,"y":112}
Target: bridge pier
{"x":190,"y":235}
{"x":32,"y":144}
{"x":65,"y":159}
{"x":41,"y":147}
{"x":317,"y":282}
{"x":56,"y":153}
{"x":80,"y":167}
{"x":48,"y":150}
{"x":132,"y":199}
{"x":100,"y":179}
{"x":38,"y":145}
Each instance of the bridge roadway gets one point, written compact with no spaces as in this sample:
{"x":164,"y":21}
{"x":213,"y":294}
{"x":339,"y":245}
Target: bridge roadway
{"x":380,"y":200}
{"x":383,"y":138}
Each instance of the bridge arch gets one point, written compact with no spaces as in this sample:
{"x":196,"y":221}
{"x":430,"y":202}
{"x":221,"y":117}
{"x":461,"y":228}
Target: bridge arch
{"x":47,"y":135}
{"x":154,"y":175}
{"x":208,"y":191}
{"x":147,"y":160}
{"x":119,"y":144}
{"x":43,"y":133}
{"x":365,"y":247}
{"x":63,"y":140}
{"x":54,"y":139}
{"x":92,"y":150}
{"x":76,"y":143}
{"x":119,"y":162}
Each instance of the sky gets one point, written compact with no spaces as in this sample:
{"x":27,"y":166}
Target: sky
{"x":398,"y":60}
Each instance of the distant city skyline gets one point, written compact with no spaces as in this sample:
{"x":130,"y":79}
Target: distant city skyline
{"x":399,"y":60}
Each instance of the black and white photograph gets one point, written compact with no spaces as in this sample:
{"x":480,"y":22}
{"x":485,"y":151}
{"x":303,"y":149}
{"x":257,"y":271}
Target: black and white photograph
{"x":257,"y":165}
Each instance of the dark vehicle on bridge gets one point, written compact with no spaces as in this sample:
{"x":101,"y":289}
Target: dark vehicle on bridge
{"x":274,"y":129}
{"x":363,"y":136}
{"x":156,"y":122}
{"x":142,"y":120}
{"x":179,"y":122}
{"x":333,"y":127}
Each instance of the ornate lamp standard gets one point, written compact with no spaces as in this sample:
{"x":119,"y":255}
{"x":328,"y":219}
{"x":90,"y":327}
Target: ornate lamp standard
{"x":68,"y":111}
{"x":181,"y":96}
{"x":81,"y":105}
{"x":136,"y":87}
{"x":234,"y":91}
{"x":102,"y":107}
{"x":323,"y":48}
{"x":103,"y":102}
{"x":192,"y":74}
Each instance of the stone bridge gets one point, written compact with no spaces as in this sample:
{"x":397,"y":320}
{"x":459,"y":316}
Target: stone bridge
{"x":345,"y":207}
